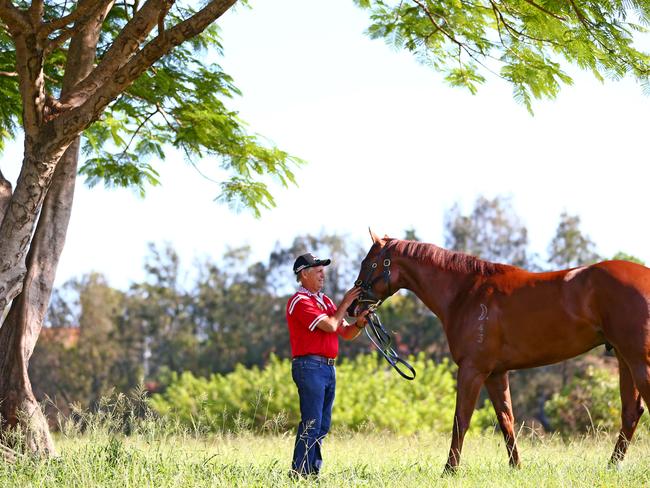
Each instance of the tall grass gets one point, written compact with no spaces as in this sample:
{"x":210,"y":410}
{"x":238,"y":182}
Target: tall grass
{"x":247,"y":460}
{"x":124,"y":444}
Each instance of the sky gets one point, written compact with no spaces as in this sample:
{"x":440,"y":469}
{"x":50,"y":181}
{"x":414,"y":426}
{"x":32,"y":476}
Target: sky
{"x":388,"y":145}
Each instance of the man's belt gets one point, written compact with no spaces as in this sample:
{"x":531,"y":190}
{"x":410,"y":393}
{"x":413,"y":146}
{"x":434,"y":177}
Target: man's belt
{"x":316,"y":357}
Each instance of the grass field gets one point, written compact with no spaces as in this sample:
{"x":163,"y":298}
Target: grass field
{"x":101,"y":459}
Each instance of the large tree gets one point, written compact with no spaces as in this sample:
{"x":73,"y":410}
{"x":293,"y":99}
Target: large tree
{"x":110,"y":71}
{"x":127,"y":75}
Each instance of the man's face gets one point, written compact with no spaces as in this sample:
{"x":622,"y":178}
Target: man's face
{"x":313,"y":278}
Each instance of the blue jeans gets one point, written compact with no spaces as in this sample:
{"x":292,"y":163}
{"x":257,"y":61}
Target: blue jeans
{"x":316,"y":384}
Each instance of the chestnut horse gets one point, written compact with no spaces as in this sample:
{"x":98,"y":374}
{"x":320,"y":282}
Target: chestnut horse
{"x":498,"y":318}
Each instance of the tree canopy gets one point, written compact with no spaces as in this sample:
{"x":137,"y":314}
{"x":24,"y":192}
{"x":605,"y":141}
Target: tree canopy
{"x":180,"y":101}
{"x":524,"y":42}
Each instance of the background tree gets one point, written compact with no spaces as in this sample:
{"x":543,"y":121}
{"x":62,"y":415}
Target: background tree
{"x":339,"y":275}
{"x":79,"y":360}
{"x":492,"y":231}
{"x":244,"y":319}
{"x":218,"y":314}
{"x":160,"y":309}
{"x":627,"y":257}
{"x":98,"y":345}
{"x":570,"y":247}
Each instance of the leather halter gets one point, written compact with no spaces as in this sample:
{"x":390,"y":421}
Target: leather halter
{"x":379,"y":336}
{"x":367,"y":295}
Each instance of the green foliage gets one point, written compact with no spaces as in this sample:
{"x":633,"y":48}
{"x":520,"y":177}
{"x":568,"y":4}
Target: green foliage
{"x":628,"y":257}
{"x":11,"y":106}
{"x":217,"y":315}
{"x":521,"y":41}
{"x":589,"y":403}
{"x":492,"y":231}
{"x":570,"y":247}
{"x":179,"y":102}
{"x":87,"y":351}
{"x":463,"y":77}
{"x":369,"y":396}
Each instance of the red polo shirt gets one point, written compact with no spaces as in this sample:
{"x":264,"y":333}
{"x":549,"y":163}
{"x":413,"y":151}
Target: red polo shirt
{"x":304,"y":311}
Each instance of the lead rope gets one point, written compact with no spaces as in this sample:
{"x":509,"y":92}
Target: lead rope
{"x":382,"y":341}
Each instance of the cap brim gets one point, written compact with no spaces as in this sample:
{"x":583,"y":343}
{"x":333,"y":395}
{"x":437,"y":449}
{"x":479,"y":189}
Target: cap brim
{"x":319,"y":262}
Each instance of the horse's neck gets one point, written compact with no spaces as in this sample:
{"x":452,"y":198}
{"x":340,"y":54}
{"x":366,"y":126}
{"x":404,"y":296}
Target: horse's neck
{"x":437,"y":288}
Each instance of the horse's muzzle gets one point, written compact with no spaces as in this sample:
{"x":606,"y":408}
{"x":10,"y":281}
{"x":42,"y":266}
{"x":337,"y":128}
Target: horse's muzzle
{"x":352,"y":309}
{"x":367,"y":301}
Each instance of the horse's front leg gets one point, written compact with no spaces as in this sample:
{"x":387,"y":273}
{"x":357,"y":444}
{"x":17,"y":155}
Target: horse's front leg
{"x":498,"y":389}
{"x":469,"y":384}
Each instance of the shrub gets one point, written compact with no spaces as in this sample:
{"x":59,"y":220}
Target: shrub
{"x":589,"y":402}
{"x":369,"y":394}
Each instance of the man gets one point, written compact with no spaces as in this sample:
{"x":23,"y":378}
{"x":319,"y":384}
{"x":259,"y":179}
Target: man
{"x":315,"y":325}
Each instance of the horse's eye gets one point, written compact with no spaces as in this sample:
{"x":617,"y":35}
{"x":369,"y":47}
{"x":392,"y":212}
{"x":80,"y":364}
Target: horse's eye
{"x":358,"y":283}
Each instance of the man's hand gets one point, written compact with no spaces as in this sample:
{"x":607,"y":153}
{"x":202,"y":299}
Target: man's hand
{"x":351,"y":295}
{"x":362,"y":321}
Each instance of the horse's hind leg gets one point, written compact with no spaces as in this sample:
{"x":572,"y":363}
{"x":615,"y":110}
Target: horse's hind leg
{"x":631,"y":409}
{"x":498,"y":389}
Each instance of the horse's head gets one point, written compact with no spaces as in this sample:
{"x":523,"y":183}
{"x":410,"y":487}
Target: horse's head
{"x":376,"y":278}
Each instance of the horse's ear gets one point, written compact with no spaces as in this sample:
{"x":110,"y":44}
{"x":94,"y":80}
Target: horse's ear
{"x":375,"y":238}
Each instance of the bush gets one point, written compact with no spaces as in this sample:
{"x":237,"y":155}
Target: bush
{"x":590,"y":402}
{"x":369,"y":394}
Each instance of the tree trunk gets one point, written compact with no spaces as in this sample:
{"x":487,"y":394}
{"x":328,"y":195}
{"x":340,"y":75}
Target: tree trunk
{"x":43,"y":196}
{"x":23,"y":324}
{"x":5,"y":196}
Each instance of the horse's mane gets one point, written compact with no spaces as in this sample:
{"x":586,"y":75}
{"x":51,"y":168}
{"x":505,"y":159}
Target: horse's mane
{"x":448,"y":260}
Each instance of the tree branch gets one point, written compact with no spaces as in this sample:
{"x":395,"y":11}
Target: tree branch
{"x":97,"y":9}
{"x":31,"y":81}
{"x":5,"y":195}
{"x":58,"y":41}
{"x":11,"y":74}
{"x":593,"y":32}
{"x":126,"y":43}
{"x":77,"y":119}
{"x":468,"y":49}
{"x":435,"y":24}
{"x":517,"y":33}
{"x":548,"y":12}
{"x":35,"y":11}
{"x":15,"y":18}
{"x":137,"y":131}
{"x":80,"y":12}
{"x":583,"y":20}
